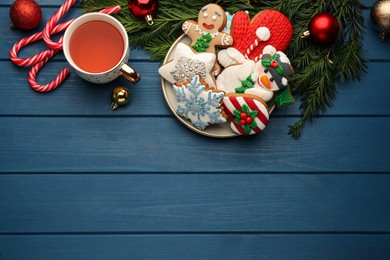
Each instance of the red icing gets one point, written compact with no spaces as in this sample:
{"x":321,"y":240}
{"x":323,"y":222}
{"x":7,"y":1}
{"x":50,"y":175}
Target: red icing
{"x":243,"y":115}
{"x":274,"y":64}
{"x":244,"y":31}
{"x":208,"y":26}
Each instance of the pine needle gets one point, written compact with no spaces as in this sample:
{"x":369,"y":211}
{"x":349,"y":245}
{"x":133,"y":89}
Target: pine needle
{"x":317,"y":67}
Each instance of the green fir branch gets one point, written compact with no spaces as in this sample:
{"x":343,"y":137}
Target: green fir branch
{"x":317,"y":67}
{"x":317,"y":95}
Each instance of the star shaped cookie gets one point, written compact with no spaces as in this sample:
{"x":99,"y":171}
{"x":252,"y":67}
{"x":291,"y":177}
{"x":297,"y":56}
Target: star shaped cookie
{"x":186,"y":64}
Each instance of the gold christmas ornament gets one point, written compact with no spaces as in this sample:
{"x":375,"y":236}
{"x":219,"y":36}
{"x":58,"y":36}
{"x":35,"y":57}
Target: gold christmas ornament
{"x":120,"y":97}
{"x":380,"y":17}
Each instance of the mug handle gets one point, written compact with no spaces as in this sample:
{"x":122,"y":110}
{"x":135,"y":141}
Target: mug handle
{"x":129,"y":73}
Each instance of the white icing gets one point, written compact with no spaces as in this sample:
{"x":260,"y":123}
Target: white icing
{"x":284,"y":81}
{"x":186,"y":27}
{"x":269,"y":49}
{"x":261,"y":92}
{"x":200,"y":106}
{"x":225,"y":39}
{"x":263,"y":33}
{"x":230,"y":56}
{"x":213,"y":35}
{"x":232,"y":76}
{"x":183,"y":50}
{"x":283,"y":57}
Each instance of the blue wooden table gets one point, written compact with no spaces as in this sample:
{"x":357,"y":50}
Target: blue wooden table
{"x":79,"y":181}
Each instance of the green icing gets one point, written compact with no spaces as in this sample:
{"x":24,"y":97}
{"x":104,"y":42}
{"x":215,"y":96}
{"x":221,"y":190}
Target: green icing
{"x":246,"y":84}
{"x":283,"y":98}
{"x":267,"y":63}
{"x":251,"y":113}
{"x":202,"y":43}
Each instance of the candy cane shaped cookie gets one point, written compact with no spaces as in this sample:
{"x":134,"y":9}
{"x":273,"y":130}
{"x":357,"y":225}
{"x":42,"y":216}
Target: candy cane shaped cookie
{"x":249,"y":113}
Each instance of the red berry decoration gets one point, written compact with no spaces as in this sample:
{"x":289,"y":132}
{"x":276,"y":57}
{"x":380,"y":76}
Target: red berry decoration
{"x":249,"y":120}
{"x":25,"y":14}
{"x":242,"y":122}
{"x":274,"y":64}
{"x":243,"y":115}
{"x":323,"y":28}
{"x":143,"y":9}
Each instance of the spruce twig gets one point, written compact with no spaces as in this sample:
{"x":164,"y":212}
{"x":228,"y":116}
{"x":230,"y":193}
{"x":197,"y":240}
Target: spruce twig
{"x":315,"y":74}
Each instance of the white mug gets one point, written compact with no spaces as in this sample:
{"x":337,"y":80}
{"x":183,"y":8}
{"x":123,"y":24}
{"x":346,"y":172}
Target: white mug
{"x":121,"y":68}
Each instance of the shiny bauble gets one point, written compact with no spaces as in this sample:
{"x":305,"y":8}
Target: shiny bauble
{"x":120,"y":97}
{"x":25,"y":14}
{"x":143,"y":9}
{"x":323,"y":28}
{"x":380,"y":17}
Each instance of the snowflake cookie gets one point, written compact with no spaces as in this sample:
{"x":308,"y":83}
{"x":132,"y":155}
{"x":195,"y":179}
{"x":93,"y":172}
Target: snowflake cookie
{"x":198,"y":103}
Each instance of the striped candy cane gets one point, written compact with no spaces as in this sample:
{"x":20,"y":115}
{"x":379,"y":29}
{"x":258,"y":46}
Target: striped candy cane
{"x":39,"y":60}
{"x":263,"y":34}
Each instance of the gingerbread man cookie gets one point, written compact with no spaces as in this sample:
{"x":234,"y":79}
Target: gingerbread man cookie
{"x":206,"y":34}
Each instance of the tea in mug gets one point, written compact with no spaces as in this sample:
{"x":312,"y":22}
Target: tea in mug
{"x":96,"y":46}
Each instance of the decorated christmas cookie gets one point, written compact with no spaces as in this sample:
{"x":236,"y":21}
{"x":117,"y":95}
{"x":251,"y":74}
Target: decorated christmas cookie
{"x":206,"y":34}
{"x":268,"y":27}
{"x":264,"y":78}
{"x":186,"y":64}
{"x":238,"y":78}
{"x":198,"y":103}
{"x":273,"y":71}
{"x":249,"y":114}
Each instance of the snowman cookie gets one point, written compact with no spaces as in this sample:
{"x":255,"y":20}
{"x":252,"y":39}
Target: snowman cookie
{"x":262,"y":79}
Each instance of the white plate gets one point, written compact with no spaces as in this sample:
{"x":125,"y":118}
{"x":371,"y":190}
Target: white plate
{"x":214,"y":130}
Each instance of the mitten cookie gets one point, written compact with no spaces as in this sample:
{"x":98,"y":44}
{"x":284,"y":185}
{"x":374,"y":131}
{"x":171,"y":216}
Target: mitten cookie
{"x":268,"y":27}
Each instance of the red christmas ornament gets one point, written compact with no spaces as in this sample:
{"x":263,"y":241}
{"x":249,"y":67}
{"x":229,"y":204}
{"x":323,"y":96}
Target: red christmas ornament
{"x":323,"y":28}
{"x":143,"y":9}
{"x":25,"y":14}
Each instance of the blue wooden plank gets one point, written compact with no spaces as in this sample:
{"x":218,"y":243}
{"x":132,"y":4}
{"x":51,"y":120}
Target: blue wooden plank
{"x":78,"y":97}
{"x":239,"y":247}
{"x":171,"y":203}
{"x":121,"y":144}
